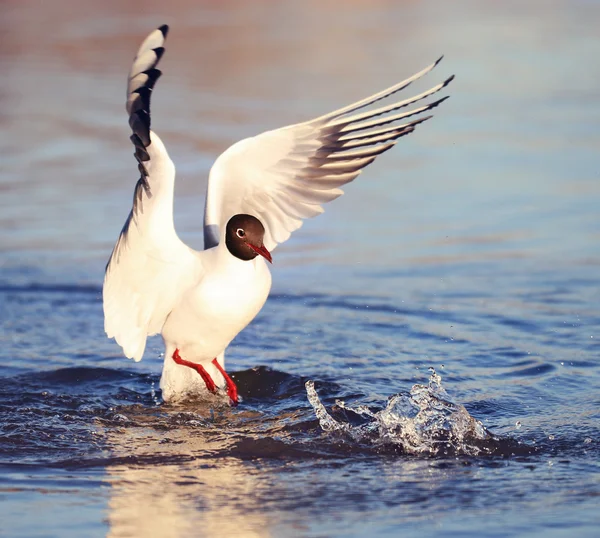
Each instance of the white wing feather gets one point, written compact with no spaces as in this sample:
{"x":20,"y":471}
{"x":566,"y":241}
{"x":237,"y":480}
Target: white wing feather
{"x":284,"y":176}
{"x":149,"y":263}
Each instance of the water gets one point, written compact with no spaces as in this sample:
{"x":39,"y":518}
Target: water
{"x":424,"y":421}
{"x":471,"y":248}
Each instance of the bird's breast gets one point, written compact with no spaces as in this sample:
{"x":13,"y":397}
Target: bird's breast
{"x":225,"y":300}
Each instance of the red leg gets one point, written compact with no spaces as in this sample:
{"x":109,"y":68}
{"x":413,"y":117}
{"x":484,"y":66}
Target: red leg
{"x":231,"y":386}
{"x":210,"y":384}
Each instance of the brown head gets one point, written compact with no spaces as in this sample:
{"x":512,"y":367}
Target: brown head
{"x":244,"y":237}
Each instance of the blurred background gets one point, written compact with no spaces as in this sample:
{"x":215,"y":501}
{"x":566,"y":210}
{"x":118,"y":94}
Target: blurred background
{"x":508,"y":168}
{"x":474,"y":243}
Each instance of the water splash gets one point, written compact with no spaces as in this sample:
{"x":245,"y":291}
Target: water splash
{"x":424,"y":421}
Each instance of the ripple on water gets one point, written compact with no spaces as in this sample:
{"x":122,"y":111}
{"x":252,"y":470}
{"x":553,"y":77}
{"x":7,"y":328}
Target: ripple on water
{"x":72,"y":416}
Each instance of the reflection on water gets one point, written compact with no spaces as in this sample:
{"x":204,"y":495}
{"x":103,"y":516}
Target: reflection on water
{"x":473,"y":245}
{"x":213,"y":498}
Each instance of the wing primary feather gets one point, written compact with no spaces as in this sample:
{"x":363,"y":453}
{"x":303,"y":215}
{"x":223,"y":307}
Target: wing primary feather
{"x":140,"y":84}
{"x":320,"y":175}
{"x":154,"y":40}
{"x":325,"y":183}
{"x":393,"y":106}
{"x":141,"y":80}
{"x":377,"y":96}
{"x":393,"y":134}
{"x":357,"y":136}
{"x":345,"y":155}
{"x":347,"y":166}
{"x":389,"y":119}
{"x":313,"y":197}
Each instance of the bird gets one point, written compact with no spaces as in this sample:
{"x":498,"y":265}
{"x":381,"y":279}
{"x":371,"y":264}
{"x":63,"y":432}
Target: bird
{"x":259,"y":191}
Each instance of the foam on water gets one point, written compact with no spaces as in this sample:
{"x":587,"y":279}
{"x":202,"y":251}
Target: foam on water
{"x":424,"y":421}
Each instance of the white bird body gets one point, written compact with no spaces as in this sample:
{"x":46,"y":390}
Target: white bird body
{"x":211,"y":314}
{"x":259,"y":191}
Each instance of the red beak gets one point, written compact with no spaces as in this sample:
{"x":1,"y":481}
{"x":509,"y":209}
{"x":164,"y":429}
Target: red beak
{"x":262,"y":251}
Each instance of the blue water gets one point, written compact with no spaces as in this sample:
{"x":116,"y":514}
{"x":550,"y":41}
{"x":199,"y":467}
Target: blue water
{"x":472,"y":248}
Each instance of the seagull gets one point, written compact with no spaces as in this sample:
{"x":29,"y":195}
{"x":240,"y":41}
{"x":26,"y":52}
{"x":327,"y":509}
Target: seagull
{"x":259,"y":191}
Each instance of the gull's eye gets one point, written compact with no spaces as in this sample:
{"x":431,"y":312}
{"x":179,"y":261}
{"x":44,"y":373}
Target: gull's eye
{"x":240,"y":232}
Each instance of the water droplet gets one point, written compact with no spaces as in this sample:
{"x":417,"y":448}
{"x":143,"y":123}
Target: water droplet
{"x":518,"y":424}
{"x":412,"y":421}
{"x":587,"y":440}
{"x":551,"y":437}
{"x":550,"y":463}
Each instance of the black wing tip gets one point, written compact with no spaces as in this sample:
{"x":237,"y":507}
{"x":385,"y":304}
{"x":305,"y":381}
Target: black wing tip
{"x":153,"y":75}
{"x":421,"y":120}
{"x":139,"y":122}
{"x":439,"y":101}
{"x":435,"y":104}
{"x":447,"y":81}
{"x":450,"y":78}
{"x":159,"y":51}
{"x":164,"y":30}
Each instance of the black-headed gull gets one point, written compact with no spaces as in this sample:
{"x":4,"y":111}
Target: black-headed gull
{"x":259,"y":190}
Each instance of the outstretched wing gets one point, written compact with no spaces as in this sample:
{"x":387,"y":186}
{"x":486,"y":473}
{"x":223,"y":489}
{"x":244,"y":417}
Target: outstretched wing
{"x":149,"y":264}
{"x":285,"y":175}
